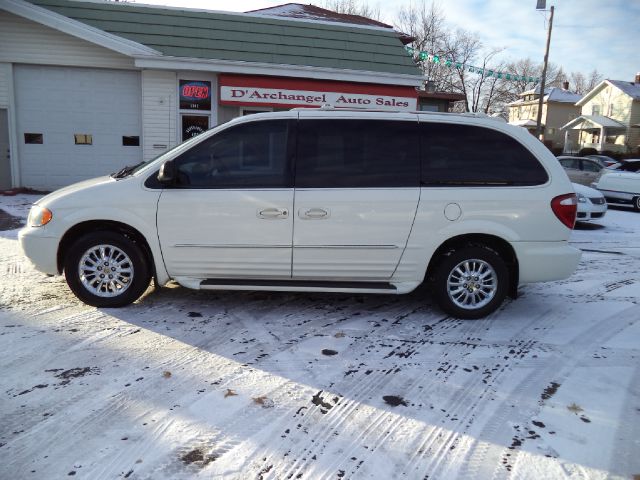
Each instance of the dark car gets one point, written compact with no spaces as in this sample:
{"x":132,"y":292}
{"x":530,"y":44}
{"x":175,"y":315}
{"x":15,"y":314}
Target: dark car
{"x":629,"y":165}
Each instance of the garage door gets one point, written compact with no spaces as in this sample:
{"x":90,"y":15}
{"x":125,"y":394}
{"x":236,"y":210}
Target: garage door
{"x":75,"y":123}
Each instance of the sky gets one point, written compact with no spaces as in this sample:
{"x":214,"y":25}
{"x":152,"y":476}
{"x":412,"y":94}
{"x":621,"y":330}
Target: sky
{"x":587,"y":34}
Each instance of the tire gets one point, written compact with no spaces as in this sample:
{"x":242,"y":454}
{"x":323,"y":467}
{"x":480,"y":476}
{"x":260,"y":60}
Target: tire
{"x":455,"y":293}
{"x":127,"y":264}
{"x":636,"y":204}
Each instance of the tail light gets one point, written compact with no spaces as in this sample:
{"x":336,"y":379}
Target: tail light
{"x":566,"y":207}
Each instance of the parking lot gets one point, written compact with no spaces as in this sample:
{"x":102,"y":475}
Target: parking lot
{"x":189,"y":384}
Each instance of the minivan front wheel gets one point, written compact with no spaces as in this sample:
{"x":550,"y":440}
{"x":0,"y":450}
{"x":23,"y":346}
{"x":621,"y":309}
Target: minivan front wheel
{"x":636,"y":204}
{"x":106,"y":269}
{"x":471,"y":282}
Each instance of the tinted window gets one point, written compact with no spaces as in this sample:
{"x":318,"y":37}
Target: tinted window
{"x":252,"y":155}
{"x":570,"y":163}
{"x":475,"y":156}
{"x":630,"y":167}
{"x":357,"y":154}
{"x":588,"y":166}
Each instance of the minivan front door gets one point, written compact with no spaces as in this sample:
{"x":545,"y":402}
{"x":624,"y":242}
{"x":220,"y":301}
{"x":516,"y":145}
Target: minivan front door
{"x":230,"y":212}
{"x":357,"y":191}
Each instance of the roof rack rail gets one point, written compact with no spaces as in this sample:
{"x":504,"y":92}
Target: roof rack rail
{"x":330,"y":107}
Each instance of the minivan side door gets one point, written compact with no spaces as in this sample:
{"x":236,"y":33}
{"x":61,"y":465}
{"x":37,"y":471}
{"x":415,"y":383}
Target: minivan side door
{"x":357,"y":191}
{"x":230,"y":213}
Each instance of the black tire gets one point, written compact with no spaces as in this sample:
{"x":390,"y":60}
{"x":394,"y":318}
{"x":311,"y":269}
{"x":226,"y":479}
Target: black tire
{"x":130,"y":269}
{"x":636,"y":204}
{"x":491,"y":291}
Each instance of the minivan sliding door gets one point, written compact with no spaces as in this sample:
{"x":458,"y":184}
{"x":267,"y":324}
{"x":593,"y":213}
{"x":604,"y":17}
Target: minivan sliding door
{"x":357,"y":191}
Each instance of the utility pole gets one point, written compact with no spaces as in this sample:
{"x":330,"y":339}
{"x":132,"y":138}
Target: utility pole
{"x":543,"y":79}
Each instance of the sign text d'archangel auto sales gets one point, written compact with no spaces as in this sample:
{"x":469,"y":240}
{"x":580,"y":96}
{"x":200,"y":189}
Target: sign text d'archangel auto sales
{"x":311,"y":98}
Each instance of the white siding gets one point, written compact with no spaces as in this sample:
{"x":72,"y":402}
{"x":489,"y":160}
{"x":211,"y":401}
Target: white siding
{"x":5,"y":72}
{"x":159,"y":106}
{"x":24,"y":41}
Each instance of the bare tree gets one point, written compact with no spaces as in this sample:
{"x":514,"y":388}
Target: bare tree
{"x":426,"y":24}
{"x":582,"y":84}
{"x":353,"y":7}
{"x":457,"y":61}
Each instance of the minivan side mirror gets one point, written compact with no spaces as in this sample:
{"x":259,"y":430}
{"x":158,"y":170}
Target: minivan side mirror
{"x":167,"y":174}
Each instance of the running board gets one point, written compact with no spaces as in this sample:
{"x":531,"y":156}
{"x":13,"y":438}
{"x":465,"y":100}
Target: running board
{"x":296,"y":285}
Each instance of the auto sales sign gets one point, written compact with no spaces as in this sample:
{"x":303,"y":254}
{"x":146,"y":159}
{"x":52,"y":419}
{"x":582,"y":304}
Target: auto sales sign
{"x":258,"y":91}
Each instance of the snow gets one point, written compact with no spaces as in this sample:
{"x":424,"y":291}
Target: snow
{"x":552,"y":94}
{"x":630,"y":88}
{"x":187,"y":384}
{"x":314,"y":14}
{"x":560,"y":95}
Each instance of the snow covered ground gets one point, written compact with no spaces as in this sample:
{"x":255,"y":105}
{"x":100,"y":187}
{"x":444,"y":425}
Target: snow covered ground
{"x":187,"y":384}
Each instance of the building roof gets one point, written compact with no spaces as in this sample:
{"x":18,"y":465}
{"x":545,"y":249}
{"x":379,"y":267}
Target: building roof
{"x":244,"y":37}
{"x":526,"y":123}
{"x":553,"y":94}
{"x":592,"y":121}
{"x":454,"y":97}
{"x":315,"y":13}
{"x":630,"y":88}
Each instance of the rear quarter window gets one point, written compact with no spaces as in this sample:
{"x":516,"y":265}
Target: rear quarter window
{"x":468,"y":155}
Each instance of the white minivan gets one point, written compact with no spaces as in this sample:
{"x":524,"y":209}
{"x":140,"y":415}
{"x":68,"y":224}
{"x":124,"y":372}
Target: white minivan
{"x":320,"y":200}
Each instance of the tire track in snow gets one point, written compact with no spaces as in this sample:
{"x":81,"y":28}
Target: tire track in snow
{"x":558,"y":368}
{"x":320,"y":444}
{"x":332,"y":420}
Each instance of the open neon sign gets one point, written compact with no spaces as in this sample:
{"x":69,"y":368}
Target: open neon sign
{"x":195,"y":95}
{"x":196,"y":92}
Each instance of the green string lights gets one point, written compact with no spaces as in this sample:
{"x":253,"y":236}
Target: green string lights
{"x":424,"y":57}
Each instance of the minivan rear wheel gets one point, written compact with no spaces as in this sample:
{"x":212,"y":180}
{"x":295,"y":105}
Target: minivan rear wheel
{"x":636,"y":204}
{"x":471,"y":282}
{"x":106,"y":269}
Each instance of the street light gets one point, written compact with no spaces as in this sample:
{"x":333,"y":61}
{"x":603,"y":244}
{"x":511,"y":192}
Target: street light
{"x":541,"y":5}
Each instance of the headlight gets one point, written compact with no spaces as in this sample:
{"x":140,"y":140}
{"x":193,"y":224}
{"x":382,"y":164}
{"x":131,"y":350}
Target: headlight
{"x":582,"y":198}
{"x":39,"y":216}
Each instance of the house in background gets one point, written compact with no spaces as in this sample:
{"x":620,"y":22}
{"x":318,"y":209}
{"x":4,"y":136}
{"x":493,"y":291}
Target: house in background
{"x":558,"y":107}
{"x":609,"y":120}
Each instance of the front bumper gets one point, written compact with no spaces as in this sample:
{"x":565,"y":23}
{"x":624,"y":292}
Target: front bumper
{"x":546,"y":261}
{"x":40,"y":249}
{"x":591,"y":212}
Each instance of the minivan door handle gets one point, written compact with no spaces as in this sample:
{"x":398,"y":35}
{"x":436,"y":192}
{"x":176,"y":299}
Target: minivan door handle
{"x":273,"y":213}
{"x":314,"y":213}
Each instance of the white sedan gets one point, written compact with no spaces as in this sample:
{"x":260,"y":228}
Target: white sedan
{"x":591,"y":203}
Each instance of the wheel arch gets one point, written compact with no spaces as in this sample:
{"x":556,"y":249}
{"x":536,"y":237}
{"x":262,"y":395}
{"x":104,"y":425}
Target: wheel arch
{"x":502,"y":247}
{"x":90,"y":226}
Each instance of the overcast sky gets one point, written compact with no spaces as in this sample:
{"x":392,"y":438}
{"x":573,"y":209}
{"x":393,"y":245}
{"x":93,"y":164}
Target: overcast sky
{"x":587,"y":34}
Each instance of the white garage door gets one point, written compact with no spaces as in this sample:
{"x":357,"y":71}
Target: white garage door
{"x":75,"y":123}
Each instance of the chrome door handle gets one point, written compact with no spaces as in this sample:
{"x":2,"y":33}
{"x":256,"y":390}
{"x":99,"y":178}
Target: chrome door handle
{"x":313,"y":213}
{"x":273,"y":213}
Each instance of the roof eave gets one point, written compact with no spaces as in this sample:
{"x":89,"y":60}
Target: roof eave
{"x":75,"y":28}
{"x":276,"y":69}
{"x":593,"y":92}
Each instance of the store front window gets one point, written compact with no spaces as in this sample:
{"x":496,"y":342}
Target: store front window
{"x":195,"y":107}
